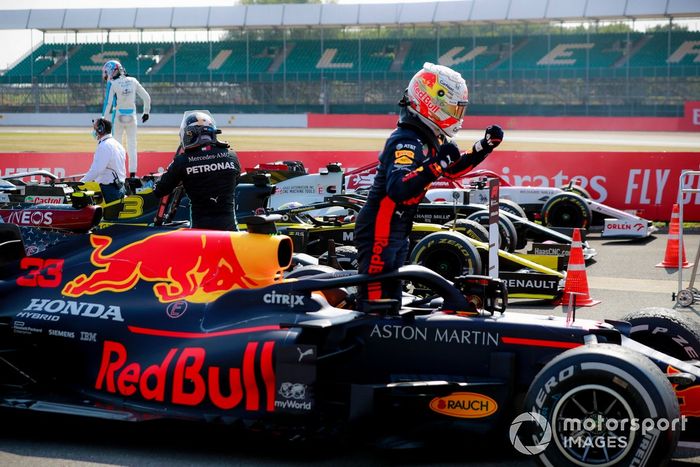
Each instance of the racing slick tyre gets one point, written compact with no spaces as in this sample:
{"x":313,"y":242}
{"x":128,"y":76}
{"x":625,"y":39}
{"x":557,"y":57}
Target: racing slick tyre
{"x":510,"y":206}
{"x":667,"y":331}
{"x":450,"y":254}
{"x":470,"y":228}
{"x":566,"y":210}
{"x":599,"y":404}
{"x":508,"y":235}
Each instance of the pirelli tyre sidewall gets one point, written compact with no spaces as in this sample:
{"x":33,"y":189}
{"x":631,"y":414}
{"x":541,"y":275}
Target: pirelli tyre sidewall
{"x":470,"y":228}
{"x":667,"y":331}
{"x":601,"y":385}
{"x":450,"y":254}
{"x":508,"y":235}
{"x":514,"y":208}
{"x":566,"y":210}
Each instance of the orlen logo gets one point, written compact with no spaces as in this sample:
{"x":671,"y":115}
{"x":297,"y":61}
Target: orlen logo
{"x":464,"y":405}
{"x":184,"y":377}
{"x":30,"y":217}
{"x":614,"y":226}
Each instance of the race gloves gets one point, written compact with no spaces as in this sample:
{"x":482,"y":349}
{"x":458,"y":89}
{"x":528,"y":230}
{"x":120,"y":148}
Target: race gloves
{"x":492,"y":138}
{"x":448,"y":154}
{"x":144,"y":118}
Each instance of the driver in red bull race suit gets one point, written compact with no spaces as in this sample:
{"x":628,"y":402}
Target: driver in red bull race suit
{"x":416,"y":154}
{"x":208,"y":170}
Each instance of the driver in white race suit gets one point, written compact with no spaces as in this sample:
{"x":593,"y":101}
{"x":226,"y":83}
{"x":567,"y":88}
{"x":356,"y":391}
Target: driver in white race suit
{"x":120,"y":101}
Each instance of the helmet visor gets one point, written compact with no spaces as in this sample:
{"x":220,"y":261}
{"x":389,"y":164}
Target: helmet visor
{"x":456,"y":110}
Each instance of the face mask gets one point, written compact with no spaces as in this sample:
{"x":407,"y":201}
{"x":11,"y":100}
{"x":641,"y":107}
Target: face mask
{"x":95,"y":135}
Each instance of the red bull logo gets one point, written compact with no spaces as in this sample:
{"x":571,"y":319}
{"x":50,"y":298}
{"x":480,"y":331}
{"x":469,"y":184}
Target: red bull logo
{"x":184,"y":377}
{"x":688,"y":398}
{"x":192,"y":265}
{"x":428,"y":79}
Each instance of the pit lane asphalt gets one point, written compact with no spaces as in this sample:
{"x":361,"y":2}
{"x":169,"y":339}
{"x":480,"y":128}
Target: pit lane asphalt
{"x":623,"y":276}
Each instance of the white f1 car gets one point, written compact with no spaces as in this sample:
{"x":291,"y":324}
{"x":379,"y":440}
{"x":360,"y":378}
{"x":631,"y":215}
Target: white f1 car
{"x":568,"y":207}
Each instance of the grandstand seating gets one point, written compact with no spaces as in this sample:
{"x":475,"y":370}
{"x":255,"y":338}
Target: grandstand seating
{"x":575,"y":72}
{"x":536,"y":56}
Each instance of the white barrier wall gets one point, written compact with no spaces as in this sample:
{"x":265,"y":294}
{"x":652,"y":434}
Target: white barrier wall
{"x":156,"y":119}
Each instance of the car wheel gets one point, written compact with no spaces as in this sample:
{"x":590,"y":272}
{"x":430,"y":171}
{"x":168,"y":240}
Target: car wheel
{"x":508,"y":235}
{"x":566,"y":210}
{"x":450,"y":254}
{"x":667,"y":331}
{"x":586,"y":401}
{"x":511,"y":207}
{"x":686,"y":297}
{"x":470,"y":228}
{"x":515,"y":209}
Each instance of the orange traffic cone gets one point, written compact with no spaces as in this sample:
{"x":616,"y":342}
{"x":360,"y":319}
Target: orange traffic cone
{"x":673,"y":249}
{"x":576,"y":282}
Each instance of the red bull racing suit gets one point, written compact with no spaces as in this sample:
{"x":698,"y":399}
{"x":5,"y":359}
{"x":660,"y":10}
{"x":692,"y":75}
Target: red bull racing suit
{"x":407,"y":166}
{"x":209,"y":175}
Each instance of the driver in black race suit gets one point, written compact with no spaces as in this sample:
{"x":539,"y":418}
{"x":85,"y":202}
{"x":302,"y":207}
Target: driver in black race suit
{"x":414,"y":156}
{"x":208,"y":169}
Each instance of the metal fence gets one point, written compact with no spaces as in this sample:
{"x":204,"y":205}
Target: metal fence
{"x":650,"y":92}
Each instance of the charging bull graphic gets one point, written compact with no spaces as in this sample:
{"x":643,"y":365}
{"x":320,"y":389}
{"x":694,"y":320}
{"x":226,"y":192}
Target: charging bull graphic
{"x":187,"y":264}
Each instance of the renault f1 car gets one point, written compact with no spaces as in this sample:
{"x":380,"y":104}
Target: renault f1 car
{"x":137,"y":324}
{"x":452,"y":251}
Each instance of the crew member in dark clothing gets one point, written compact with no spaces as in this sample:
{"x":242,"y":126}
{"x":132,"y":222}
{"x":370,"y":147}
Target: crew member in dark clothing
{"x":415,"y":155}
{"x":208,"y":170}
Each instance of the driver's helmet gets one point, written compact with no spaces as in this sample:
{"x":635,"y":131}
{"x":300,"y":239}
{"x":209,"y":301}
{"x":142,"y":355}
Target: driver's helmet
{"x":290,"y":205}
{"x":198,"y":128}
{"x":438,"y":95}
{"x":111,"y":70}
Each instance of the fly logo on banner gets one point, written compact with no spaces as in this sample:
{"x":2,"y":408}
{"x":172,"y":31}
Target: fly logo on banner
{"x":643,"y":182}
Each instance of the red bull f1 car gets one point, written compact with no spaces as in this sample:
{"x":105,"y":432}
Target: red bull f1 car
{"x":136,"y":324}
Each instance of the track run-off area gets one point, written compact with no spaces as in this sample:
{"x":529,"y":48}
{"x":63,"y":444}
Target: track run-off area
{"x":78,"y":139}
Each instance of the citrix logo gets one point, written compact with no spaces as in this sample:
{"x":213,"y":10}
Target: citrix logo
{"x":273,"y":298}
